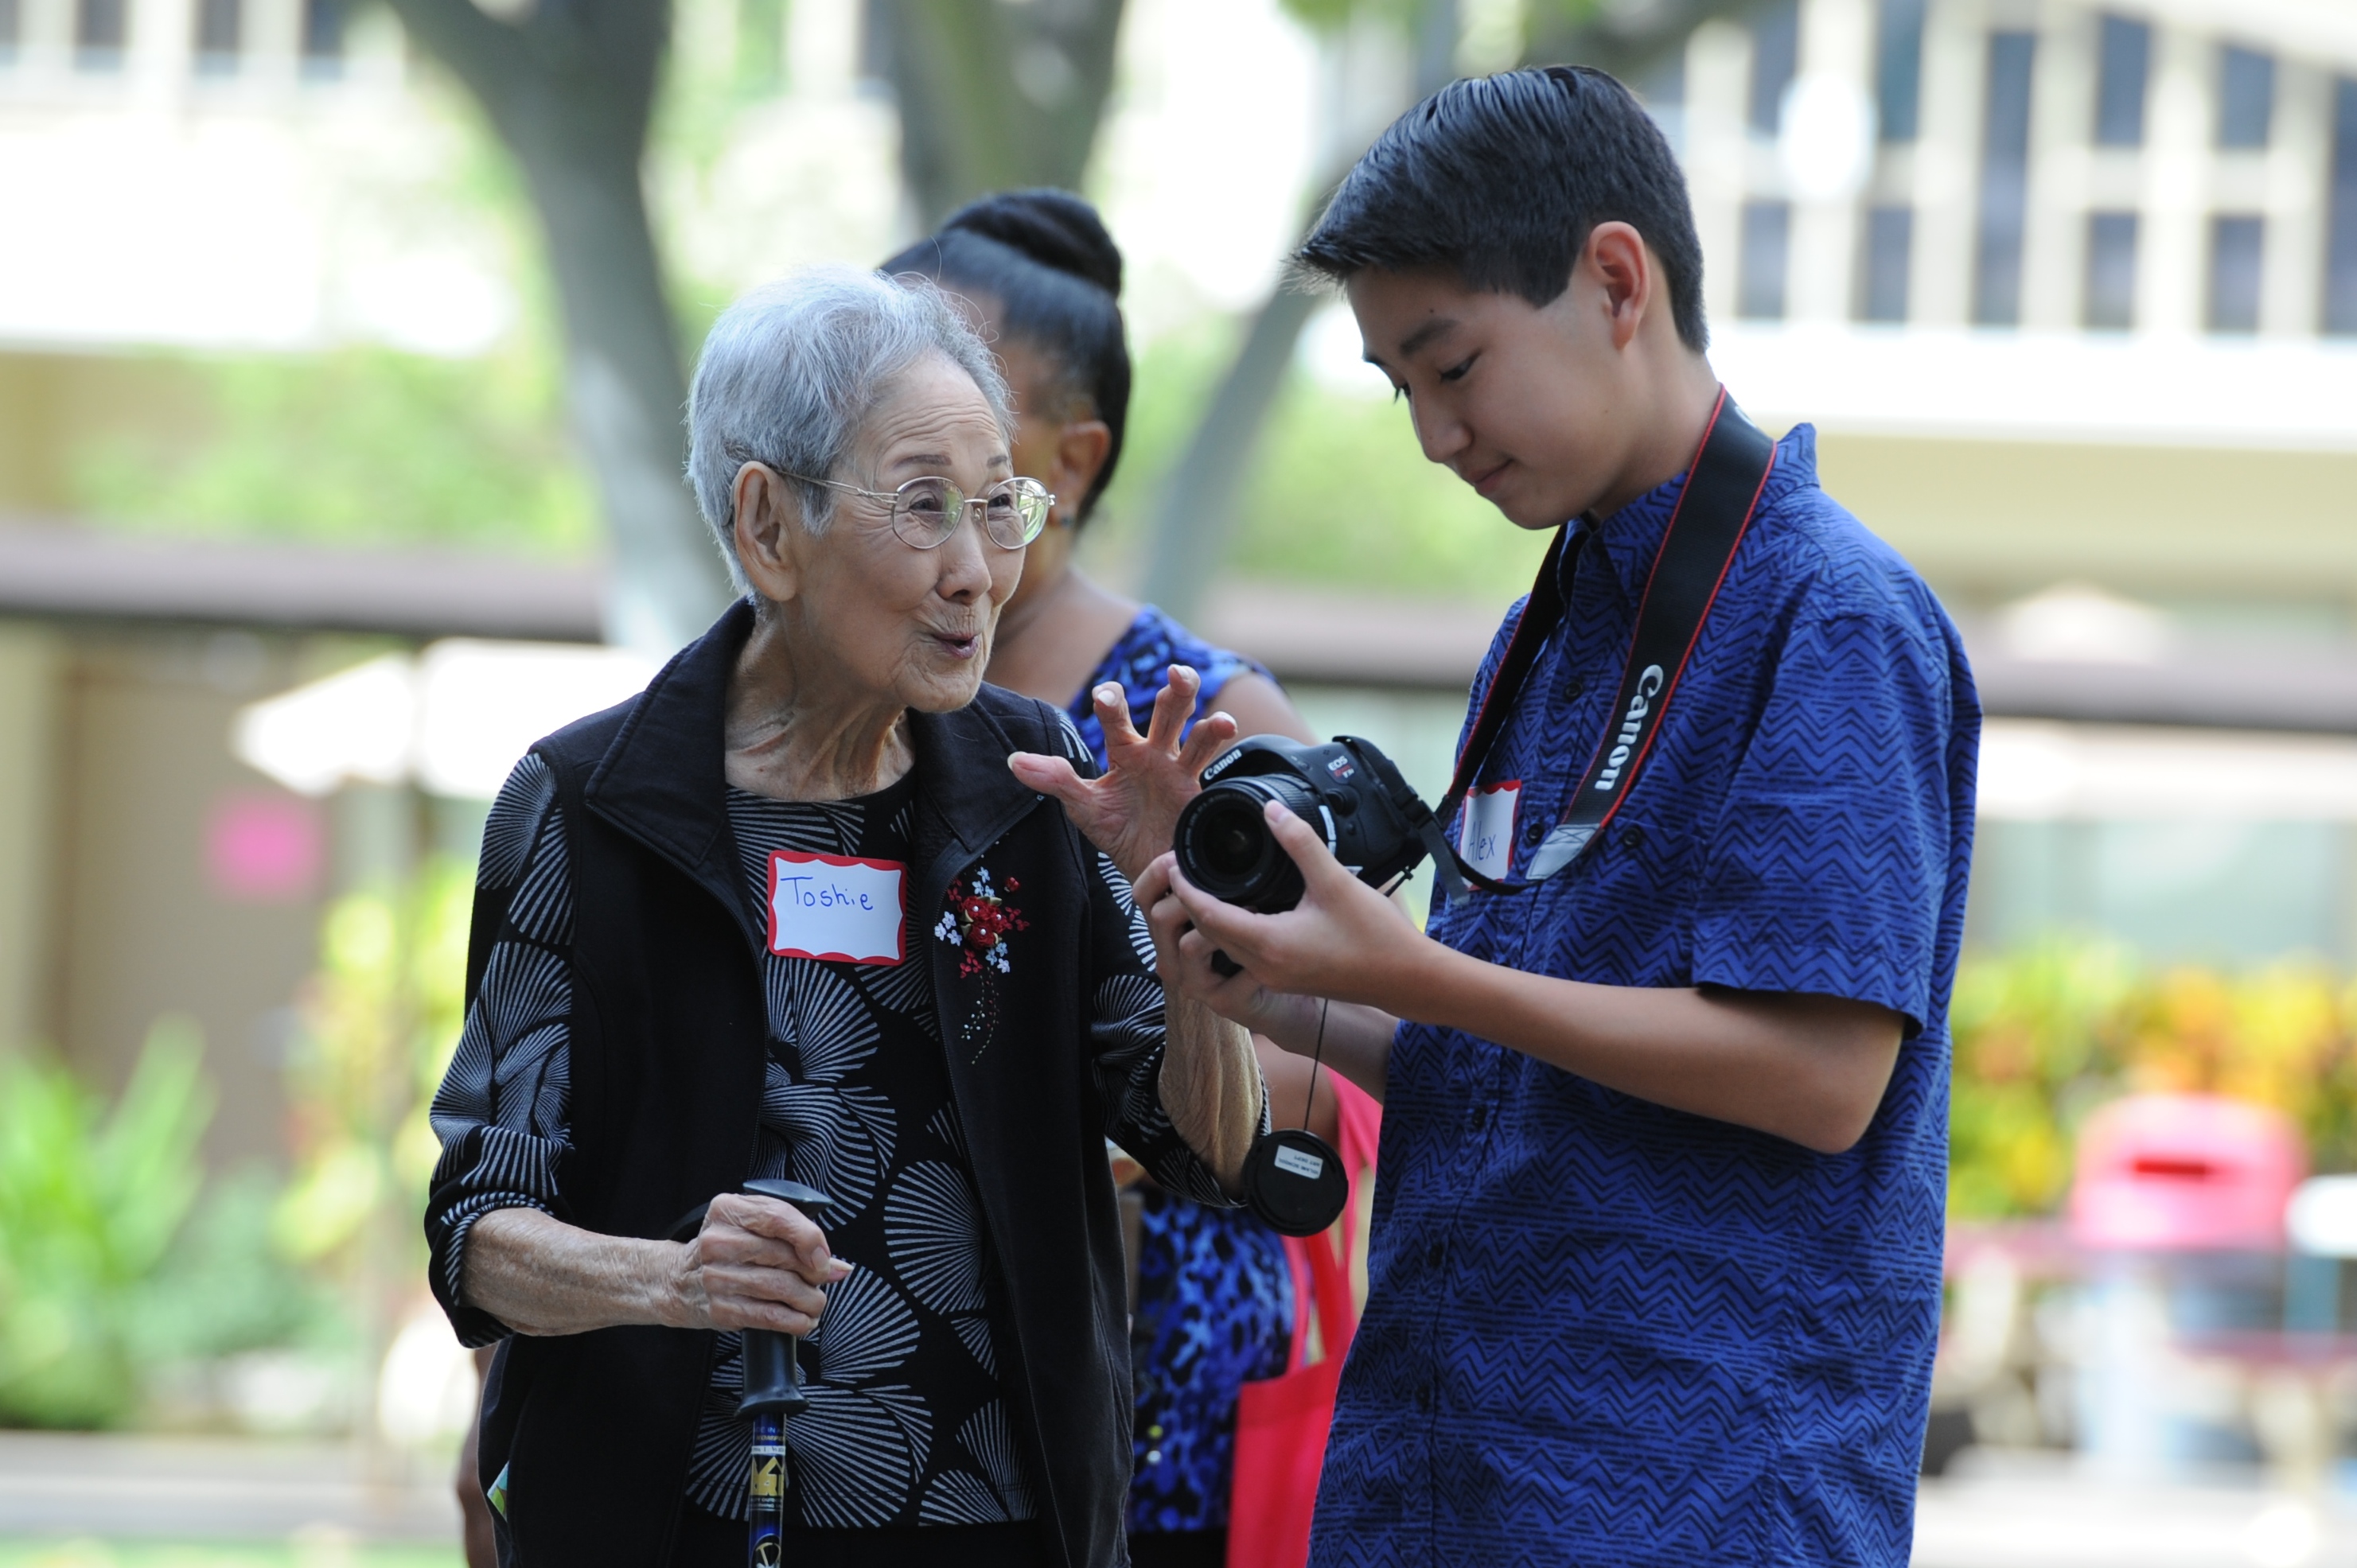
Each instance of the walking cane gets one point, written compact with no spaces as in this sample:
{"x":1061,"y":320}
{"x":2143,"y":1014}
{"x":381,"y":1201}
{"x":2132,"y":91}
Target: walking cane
{"x":774,"y":1390}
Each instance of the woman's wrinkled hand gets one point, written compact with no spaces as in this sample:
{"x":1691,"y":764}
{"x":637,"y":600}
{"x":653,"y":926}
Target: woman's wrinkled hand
{"x":1133,"y":810}
{"x":757,"y":1263}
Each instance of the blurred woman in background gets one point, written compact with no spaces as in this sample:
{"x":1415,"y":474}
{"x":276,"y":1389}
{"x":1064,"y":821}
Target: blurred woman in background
{"x":1215,"y":1307}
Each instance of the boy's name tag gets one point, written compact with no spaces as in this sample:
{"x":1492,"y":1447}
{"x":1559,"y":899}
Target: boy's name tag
{"x":827,"y":907}
{"x":1485,"y":834}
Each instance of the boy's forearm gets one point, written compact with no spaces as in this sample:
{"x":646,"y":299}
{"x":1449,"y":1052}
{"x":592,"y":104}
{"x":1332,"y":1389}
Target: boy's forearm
{"x":1809,"y":1068}
{"x":1358,"y":1038}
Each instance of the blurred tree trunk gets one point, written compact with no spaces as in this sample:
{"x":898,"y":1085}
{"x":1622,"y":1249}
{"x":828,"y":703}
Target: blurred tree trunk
{"x":1201,"y":499}
{"x":570,"y":87}
{"x":995,"y":95}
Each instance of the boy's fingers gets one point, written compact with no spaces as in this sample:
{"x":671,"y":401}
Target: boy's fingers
{"x":1154,"y":885}
{"x":1300,"y":840}
{"x":1218,"y":920}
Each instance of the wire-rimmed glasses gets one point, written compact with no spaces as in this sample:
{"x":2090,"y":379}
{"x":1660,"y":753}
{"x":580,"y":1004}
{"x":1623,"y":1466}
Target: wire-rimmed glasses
{"x":927,"y":511}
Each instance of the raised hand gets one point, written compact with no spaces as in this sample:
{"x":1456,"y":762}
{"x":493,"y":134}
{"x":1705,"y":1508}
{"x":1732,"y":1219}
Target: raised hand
{"x":1132,"y":810}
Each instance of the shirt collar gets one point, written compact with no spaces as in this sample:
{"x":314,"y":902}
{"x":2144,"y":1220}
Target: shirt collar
{"x":1632,"y":537}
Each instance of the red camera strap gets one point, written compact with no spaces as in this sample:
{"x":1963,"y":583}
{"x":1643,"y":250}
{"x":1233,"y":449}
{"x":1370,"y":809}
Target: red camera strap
{"x":1712,"y":513}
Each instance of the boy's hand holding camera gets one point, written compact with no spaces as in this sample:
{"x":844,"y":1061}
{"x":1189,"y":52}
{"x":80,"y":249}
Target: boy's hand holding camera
{"x":1810,"y":1068}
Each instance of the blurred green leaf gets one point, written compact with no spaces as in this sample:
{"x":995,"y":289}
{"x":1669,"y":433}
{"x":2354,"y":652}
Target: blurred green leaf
{"x":358,"y":447}
{"x":89,"y":1200}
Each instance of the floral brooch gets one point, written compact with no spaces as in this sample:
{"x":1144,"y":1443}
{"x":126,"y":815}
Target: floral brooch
{"x":978,"y":922}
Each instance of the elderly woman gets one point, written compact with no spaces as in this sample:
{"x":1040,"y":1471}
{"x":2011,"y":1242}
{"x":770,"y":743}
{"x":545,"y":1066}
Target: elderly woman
{"x":789,"y":913}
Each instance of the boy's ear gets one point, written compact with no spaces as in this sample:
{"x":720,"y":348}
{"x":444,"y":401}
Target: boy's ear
{"x":1622,"y":266}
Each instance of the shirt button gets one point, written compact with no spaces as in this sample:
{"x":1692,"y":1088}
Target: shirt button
{"x":1631,"y":837}
{"x":1432,"y":1258}
{"x":1423,"y":1397}
{"x":1573,"y":688}
{"x":1533,"y":833}
{"x":1480,"y":1117}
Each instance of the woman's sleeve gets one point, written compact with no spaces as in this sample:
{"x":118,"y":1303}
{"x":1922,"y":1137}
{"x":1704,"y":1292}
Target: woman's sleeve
{"x":1126,"y":1041}
{"x":504,"y":1108}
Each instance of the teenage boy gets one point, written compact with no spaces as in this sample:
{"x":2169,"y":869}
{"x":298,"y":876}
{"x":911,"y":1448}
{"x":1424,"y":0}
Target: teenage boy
{"x":1656,"y":1266}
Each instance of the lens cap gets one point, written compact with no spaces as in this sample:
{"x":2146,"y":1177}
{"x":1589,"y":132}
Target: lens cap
{"x":1294,"y":1182}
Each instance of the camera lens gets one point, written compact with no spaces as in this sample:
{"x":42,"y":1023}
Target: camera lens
{"x":1225,"y":847}
{"x":1231,"y":847}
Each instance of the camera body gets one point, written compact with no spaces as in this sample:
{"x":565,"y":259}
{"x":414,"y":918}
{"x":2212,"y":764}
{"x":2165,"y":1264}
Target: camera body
{"x":1346,"y":789}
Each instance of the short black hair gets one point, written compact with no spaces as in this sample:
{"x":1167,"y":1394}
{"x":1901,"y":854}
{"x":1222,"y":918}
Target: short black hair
{"x":1045,"y":259}
{"x":1501,"y":179}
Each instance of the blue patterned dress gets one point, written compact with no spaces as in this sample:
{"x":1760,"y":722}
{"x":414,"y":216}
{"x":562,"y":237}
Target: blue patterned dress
{"x":1214,"y":1295}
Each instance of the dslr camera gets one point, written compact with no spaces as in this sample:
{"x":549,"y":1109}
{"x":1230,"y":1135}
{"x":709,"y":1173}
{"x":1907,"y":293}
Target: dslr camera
{"x":1347,"y":789}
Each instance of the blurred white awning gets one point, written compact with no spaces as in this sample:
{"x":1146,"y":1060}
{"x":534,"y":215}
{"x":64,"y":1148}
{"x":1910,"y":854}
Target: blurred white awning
{"x":453,"y":720}
{"x":2037,"y":771}
{"x":2290,"y":394}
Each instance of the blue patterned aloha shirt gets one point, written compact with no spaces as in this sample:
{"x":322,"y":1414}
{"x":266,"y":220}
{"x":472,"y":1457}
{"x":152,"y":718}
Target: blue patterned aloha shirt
{"x":1214,"y":1293}
{"x":1604,"y":1332}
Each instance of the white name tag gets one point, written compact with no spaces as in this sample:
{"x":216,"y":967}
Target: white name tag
{"x":1485,"y":833}
{"x":848,"y":911}
{"x":1294,"y":1161}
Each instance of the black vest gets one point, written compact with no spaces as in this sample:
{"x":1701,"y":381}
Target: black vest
{"x":669,"y":1036}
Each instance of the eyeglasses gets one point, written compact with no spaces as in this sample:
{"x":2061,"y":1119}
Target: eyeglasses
{"x":926,"y":511}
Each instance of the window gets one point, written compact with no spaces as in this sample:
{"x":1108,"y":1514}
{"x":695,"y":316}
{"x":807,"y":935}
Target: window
{"x":98,"y":33}
{"x":2246,"y":97}
{"x":2236,"y":245}
{"x":1898,"y":71}
{"x":2124,"y":61}
{"x":219,"y":23}
{"x":1767,"y":246}
{"x":323,"y":37}
{"x":2340,"y":225}
{"x":1775,"y":56}
{"x":1889,"y":247}
{"x":2110,"y":303}
{"x":2005,"y":180}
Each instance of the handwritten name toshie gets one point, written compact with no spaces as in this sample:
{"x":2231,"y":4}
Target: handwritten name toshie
{"x":830,"y":906}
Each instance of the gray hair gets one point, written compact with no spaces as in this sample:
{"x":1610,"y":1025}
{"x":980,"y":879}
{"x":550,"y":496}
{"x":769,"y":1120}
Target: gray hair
{"x":790,"y":371}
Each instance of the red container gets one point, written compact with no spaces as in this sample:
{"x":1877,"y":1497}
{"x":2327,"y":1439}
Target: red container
{"x":2184,"y":1173}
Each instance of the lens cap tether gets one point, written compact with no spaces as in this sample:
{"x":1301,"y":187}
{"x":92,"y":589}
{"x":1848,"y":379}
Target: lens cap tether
{"x":1293,"y":1178}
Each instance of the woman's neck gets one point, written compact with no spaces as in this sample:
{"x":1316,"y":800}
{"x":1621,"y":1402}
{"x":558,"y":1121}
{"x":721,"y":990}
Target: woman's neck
{"x":1050,"y":641}
{"x":783,"y":737}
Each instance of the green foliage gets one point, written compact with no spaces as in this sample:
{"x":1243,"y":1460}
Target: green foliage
{"x":357,"y":446}
{"x":1344,"y":498}
{"x":225,"y":1287}
{"x":380,"y":1019}
{"x":2033,"y":1053}
{"x":2046,"y":1032}
{"x":1341,"y":496}
{"x":90,"y":1201}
